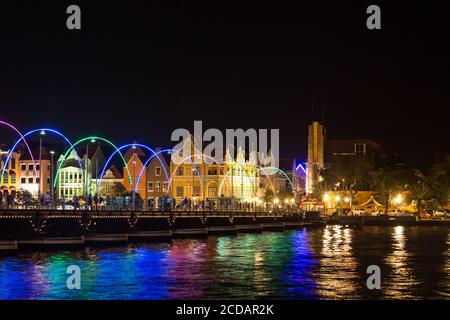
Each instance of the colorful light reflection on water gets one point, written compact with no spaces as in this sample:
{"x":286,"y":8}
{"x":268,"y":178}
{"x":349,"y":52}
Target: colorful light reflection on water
{"x":327,"y":263}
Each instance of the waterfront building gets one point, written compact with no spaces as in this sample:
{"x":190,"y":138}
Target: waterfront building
{"x":352,"y":148}
{"x":36,"y":176}
{"x":107,"y":185}
{"x":237,"y":177}
{"x":135,"y":158}
{"x":10,"y":181}
{"x":72,"y":179}
{"x":157,"y":175}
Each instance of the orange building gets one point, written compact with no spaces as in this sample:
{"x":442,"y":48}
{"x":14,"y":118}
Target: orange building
{"x":135,"y":159}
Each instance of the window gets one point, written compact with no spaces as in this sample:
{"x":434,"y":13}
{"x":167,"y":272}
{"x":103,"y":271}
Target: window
{"x":360,"y":149}
{"x":180,"y":171}
{"x":157,"y":171}
{"x":6,"y":178}
{"x":165,"y":185}
{"x":12,"y":164}
{"x":212,"y":172}
{"x":158,"y":186}
{"x":30,"y":180}
{"x":150,"y":186}
{"x":13,"y":178}
{"x":179,"y":192}
{"x":38,"y":180}
{"x":23,"y":180}
{"x":48,"y":180}
{"x":48,"y":167}
{"x":30,"y":167}
{"x":38,"y":167}
{"x":23,"y":167}
{"x":212,"y":191}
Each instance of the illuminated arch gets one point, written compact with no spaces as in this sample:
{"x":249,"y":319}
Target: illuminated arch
{"x":80,"y":141}
{"x":126,"y":165}
{"x":31,"y":132}
{"x":247,"y":176}
{"x":279,"y":170}
{"x":147,"y":162}
{"x":21,"y":136}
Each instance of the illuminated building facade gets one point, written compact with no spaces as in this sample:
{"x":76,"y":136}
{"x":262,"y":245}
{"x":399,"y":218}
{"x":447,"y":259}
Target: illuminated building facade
{"x":72,"y":178}
{"x":316,"y":152}
{"x":135,"y":159}
{"x":33,"y":176}
{"x":10,"y":182}
{"x":156,"y":178}
{"x":107,"y":185}
{"x":236,"y":177}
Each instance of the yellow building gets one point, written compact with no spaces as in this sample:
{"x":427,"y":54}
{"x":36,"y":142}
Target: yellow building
{"x":203,"y":179}
{"x":10,"y":181}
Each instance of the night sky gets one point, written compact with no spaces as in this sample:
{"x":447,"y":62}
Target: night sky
{"x":139,"y":70}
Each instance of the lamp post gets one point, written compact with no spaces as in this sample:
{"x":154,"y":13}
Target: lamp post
{"x":41,"y":134}
{"x":133,"y":191}
{"x":51,"y":176}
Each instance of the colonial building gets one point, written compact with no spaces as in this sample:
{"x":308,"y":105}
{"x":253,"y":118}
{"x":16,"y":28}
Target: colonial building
{"x":237,"y":177}
{"x":156,"y":179}
{"x":135,"y":159}
{"x":35,"y":176}
{"x":10,"y":181}
{"x":107,"y":185}
{"x":71,"y":178}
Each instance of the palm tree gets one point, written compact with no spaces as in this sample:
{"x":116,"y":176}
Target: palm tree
{"x":385,"y":182}
{"x":419,"y":192}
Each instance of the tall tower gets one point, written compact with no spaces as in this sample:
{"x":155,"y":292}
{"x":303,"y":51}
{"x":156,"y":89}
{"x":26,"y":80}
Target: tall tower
{"x":316,"y":142}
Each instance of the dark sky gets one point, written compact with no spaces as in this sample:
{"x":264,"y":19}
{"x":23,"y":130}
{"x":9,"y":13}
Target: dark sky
{"x":138,"y":70}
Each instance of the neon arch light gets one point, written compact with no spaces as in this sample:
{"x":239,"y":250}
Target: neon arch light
{"x":300,"y":166}
{"x":247,"y":176}
{"x":31,"y":132}
{"x":21,"y":136}
{"x":279,"y":170}
{"x":129,"y":175}
{"x":80,"y":141}
{"x":147,"y":162}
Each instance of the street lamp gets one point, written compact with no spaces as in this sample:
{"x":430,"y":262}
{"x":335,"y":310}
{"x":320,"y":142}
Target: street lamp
{"x":398,"y":199}
{"x":133,"y":187}
{"x":41,"y":134}
{"x":51,"y":174}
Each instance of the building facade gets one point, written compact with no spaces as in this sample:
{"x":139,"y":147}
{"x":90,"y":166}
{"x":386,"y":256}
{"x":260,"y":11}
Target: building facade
{"x":10,"y":181}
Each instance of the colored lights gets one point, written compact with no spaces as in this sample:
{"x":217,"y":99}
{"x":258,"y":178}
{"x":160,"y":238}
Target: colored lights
{"x":80,"y":141}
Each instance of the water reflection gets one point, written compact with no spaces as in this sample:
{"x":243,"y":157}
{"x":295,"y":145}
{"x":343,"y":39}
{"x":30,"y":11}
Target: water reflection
{"x":337,"y":277}
{"x":400,"y":280}
{"x":328,"y":263}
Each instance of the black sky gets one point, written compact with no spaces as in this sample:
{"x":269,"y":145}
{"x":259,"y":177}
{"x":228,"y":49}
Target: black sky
{"x":138,"y":70}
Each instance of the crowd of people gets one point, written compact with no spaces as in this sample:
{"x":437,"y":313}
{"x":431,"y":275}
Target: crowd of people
{"x":125,"y":203}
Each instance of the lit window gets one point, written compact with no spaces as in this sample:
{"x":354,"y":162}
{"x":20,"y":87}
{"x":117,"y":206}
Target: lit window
{"x":360,"y":149}
{"x":157,"y":171}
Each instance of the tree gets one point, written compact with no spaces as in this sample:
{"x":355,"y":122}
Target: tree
{"x":439,"y":182}
{"x":119,"y":188}
{"x":385,"y":182}
{"x":268,"y":195}
{"x":419,"y":191}
{"x":24,"y":197}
